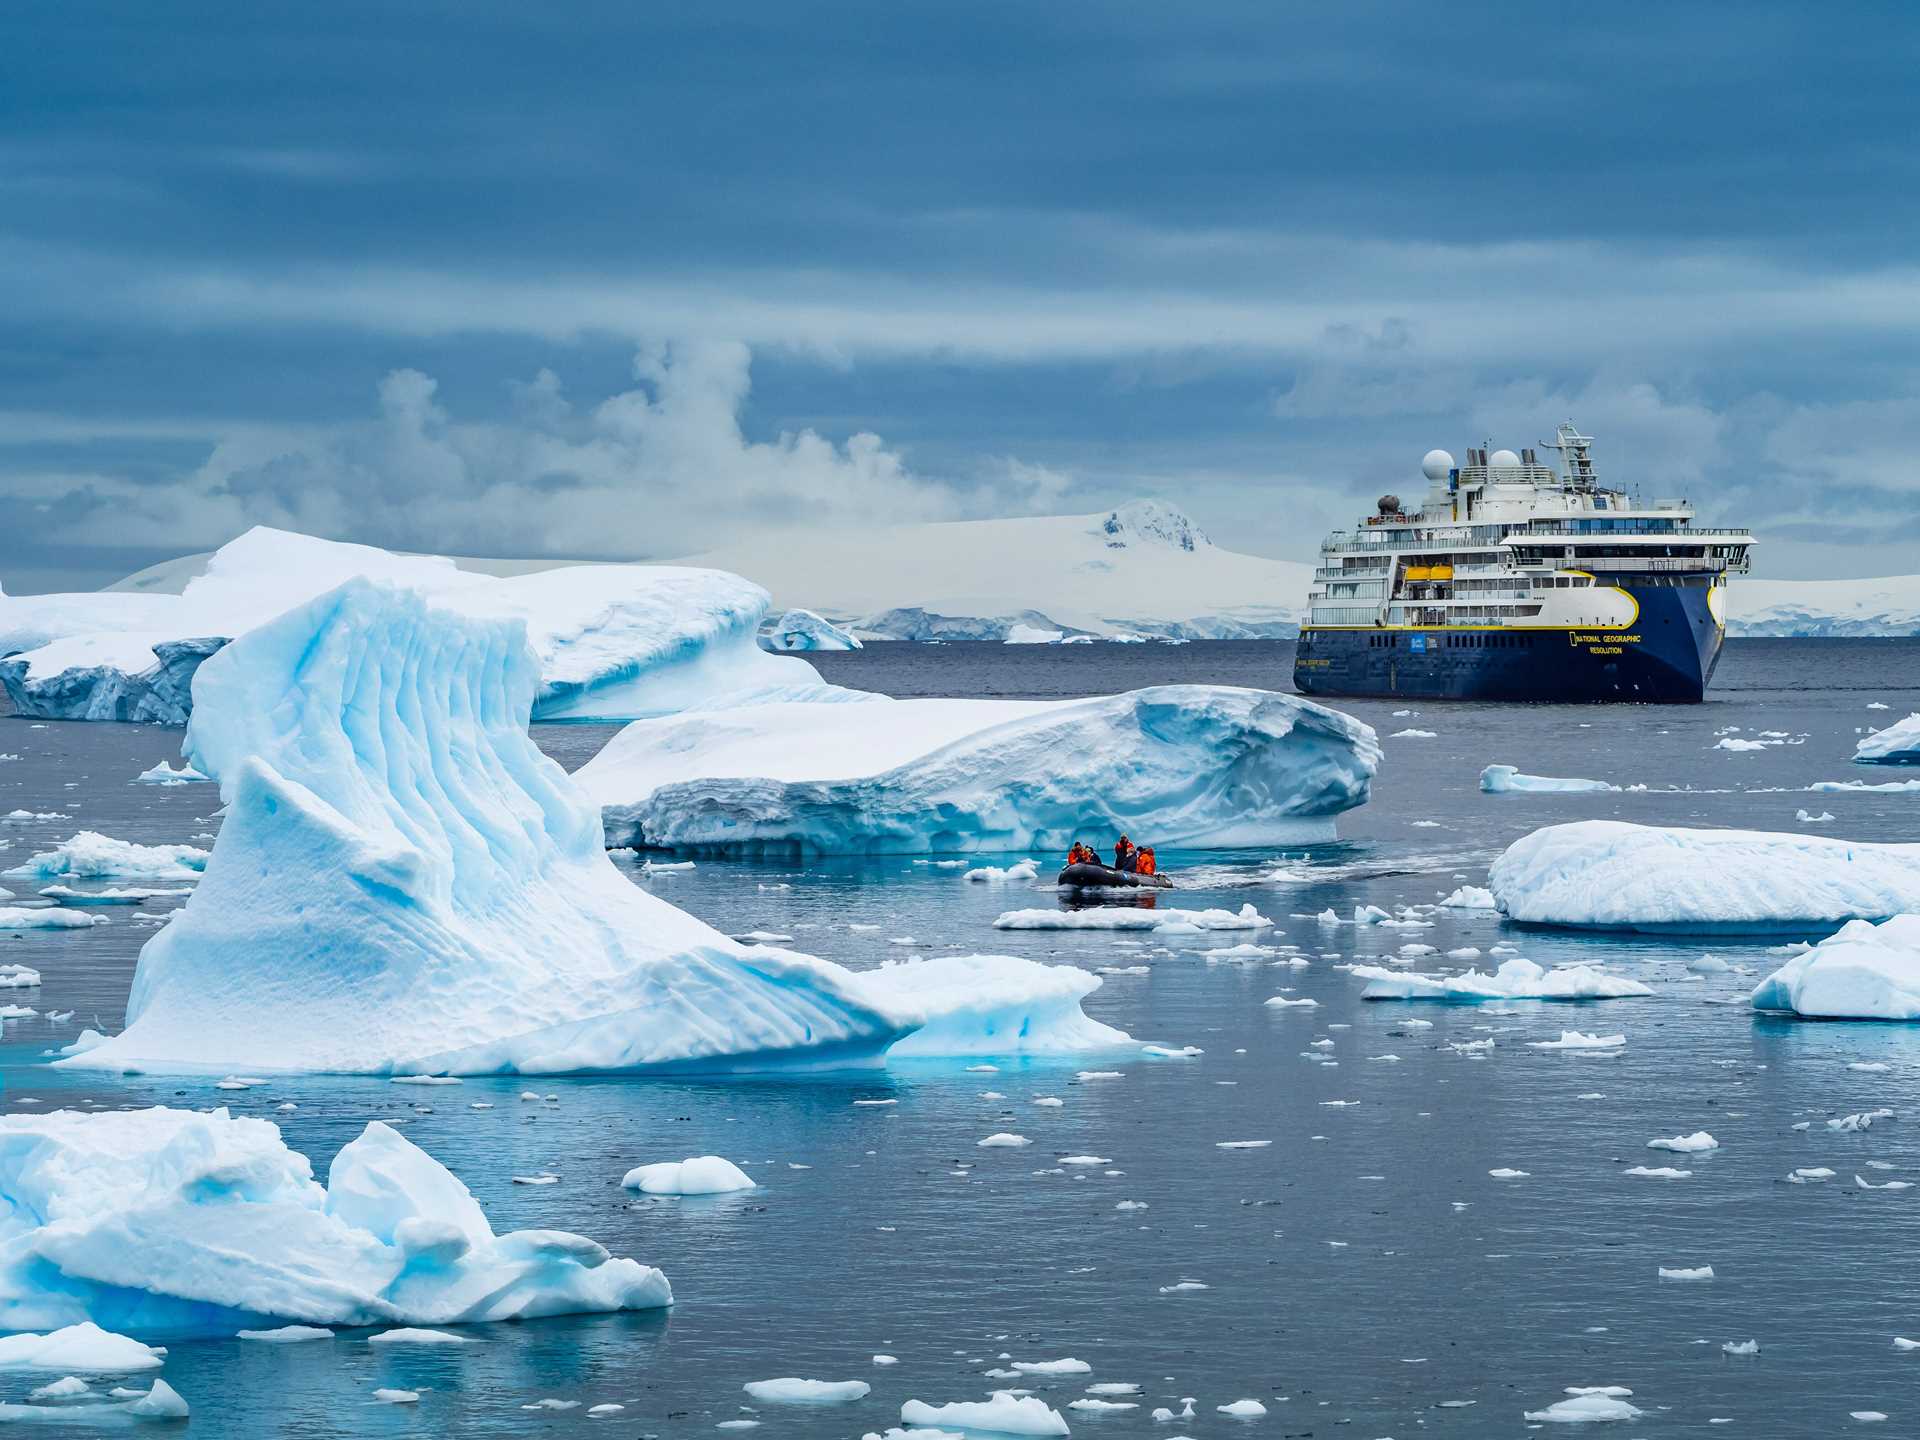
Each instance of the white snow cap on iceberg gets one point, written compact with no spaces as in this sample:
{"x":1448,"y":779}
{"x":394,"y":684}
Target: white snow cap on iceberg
{"x":1862,"y":971}
{"x":405,"y":884}
{"x":176,"y":1221}
{"x":1189,"y":765}
{"x":612,"y":641}
{"x":1514,"y":980}
{"x":804,"y":630}
{"x":1507,"y":780}
{"x":1611,"y":875}
{"x":1898,"y":744}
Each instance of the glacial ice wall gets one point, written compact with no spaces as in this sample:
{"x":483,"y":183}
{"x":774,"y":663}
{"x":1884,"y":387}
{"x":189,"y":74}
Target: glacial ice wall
{"x":405,"y":883}
{"x":1607,"y":874}
{"x":177,"y":1222}
{"x":1186,"y":765}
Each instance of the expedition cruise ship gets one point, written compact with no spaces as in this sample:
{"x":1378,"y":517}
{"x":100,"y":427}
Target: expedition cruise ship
{"x":1520,"y":581}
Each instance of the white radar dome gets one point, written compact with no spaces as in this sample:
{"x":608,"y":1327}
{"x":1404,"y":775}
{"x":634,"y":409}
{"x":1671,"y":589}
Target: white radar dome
{"x":1436,"y":465}
{"x":1500,"y":459}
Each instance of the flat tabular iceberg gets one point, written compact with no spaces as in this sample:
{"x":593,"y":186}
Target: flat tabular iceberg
{"x":1610,"y":875}
{"x":613,"y":641}
{"x":1506,"y":780}
{"x":1861,"y":972}
{"x":1514,"y":980}
{"x":1898,"y":744}
{"x":804,"y":630}
{"x":405,"y":884}
{"x":1188,"y":765}
{"x":176,"y":1222}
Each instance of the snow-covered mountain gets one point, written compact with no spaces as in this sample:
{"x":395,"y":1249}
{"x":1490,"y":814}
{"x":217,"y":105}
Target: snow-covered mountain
{"x":1144,"y":568}
{"x":1889,"y":605}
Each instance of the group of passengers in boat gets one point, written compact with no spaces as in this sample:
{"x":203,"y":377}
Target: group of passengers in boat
{"x":1125,"y":857}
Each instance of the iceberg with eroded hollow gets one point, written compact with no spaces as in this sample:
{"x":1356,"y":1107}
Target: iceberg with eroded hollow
{"x":177,"y":1222}
{"x":1862,"y":971}
{"x":1898,"y":744}
{"x":1180,"y":766}
{"x":405,"y":884}
{"x":1607,"y":874}
{"x":613,"y":641}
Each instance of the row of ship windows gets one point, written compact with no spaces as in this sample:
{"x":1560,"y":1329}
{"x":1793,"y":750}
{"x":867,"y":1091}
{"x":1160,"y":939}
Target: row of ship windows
{"x":1390,"y":640}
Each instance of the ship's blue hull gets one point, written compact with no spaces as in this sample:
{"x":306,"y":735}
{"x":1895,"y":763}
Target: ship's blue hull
{"x":1666,"y":657}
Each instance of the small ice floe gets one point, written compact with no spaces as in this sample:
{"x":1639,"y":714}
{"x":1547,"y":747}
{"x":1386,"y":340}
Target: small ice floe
{"x":165,"y":774}
{"x":116,"y":895}
{"x":386,"y":1395}
{"x":1242,"y":1409}
{"x":1507,"y":780}
{"x":1697,"y":1272}
{"x":1241,"y":1144}
{"x":1114,"y":1387}
{"x":1866,"y":1184}
{"x":1516,"y":979}
{"x":996,"y":875}
{"x":1470,"y":897}
{"x":84,"y":1347}
{"x":1067,"y":1366}
{"x":424,"y":1080}
{"x":286,"y":1334}
{"x":1578,"y":1040}
{"x":1131,"y":1205}
{"x":1808,"y":1174}
{"x":793,"y":1391}
{"x":1418,"y":949}
{"x":1741,"y":747}
{"x":763,"y":937}
{"x":1051,"y":1102}
{"x":1657,"y":1172}
{"x":1863,"y":1120}
{"x":1805,"y":819}
{"x":1862,"y":971}
{"x":67,"y":1388}
{"x":1586,"y":1404}
{"x":1465,"y":952}
{"x":1123,"y":970}
{"x":603,"y":1410}
{"x":696,"y":1175}
{"x":1095,"y":1405}
{"x":1282,"y":1002}
{"x":1099,"y":1074}
{"x":886,"y":1360}
{"x":1003,"y":1141}
{"x":415,"y":1335}
{"x":1085,"y":1160}
{"x":1741,"y":1347}
{"x":1183,"y":1287}
{"x":50,"y":917}
{"x":1412,"y":734}
{"x":666,"y":867}
{"x":1127,"y":918}
{"x":1868,"y":1067}
{"x":1692,"y":1144}
{"x":1004,"y":1414}
{"x":1708,"y":965}
{"x":1166,"y":1052}
{"x":545,"y":1177}
{"x":1867,"y":1417}
{"x":1505,"y":1173}
{"x":1900,"y":1342}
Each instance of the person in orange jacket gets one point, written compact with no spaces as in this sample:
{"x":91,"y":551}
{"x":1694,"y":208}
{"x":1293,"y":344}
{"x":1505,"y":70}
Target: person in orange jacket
{"x":1144,"y":865}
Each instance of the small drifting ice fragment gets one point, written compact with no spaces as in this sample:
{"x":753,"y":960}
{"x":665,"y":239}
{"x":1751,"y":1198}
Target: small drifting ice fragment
{"x":610,"y":1408}
{"x":1866,"y":1184}
{"x":1508,"y":780}
{"x":1004,"y":1140}
{"x":1068,"y":1366}
{"x":1004,"y":1414}
{"x":286,"y":1334}
{"x":1587,"y":1407}
{"x":1577,"y":1040}
{"x":1849,"y":1124}
{"x":1099,"y":1074}
{"x":415,"y":1335}
{"x":995,"y":875}
{"x":1505,"y":1173}
{"x":1241,"y":1144}
{"x":1242,"y":1409}
{"x":1657,"y":1172}
{"x":1470,"y":897}
{"x":397,"y":1397}
{"x":1182,"y":1287}
{"x":1085,"y":1160}
{"x":1807,"y":1173}
{"x":1869,"y":1067}
{"x":544,"y":1178}
{"x":886,"y":1360}
{"x":1741,"y":1347}
{"x":696,"y":1175}
{"x":1692,"y":1144}
{"x":1164,"y":1052}
{"x":424,"y":1080}
{"x":1097,"y":1406}
{"x":1867,"y":1417}
{"x":763,"y":937}
{"x":1282,"y":1002}
{"x":84,"y":1347}
{"x":1697,"y":1272}
{"x":793,"y":1391}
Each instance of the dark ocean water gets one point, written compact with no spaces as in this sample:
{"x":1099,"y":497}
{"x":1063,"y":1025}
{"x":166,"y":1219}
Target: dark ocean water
{"x":1365,"y":1275}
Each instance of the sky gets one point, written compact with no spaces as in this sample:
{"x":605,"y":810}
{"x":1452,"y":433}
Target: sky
{"x":612,"y":280}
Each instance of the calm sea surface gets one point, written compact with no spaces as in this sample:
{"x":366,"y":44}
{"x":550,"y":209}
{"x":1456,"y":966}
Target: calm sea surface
{"x":1364,"y":1274}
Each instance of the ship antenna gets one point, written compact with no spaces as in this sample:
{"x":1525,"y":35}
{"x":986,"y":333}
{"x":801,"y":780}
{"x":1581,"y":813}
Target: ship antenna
{"x":1576,"y":463}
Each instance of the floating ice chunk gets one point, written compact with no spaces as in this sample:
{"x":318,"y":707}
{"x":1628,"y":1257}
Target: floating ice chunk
{"x":1740,"y":746}
{"x":224,"y":1219}
{"x":1242,"y":1409}
{"x":1516,"y":979}
{"x":1859,"y":1121}
{"x":1281,"y":1002}
{"x":90,"y":854}
{"x":793,"y":1391}
{"x":1175,"y":1052}
{"x":1470,"y":897}
{"x":696,"y":1175}
{"x":1898,"y":744}
{"x":1741,"y":1347}
{"x":1593,"y":1405}
{"x":457,"y":876}
{"x":66,"y":1388}
{"x":389,"y":1395}
{"x":161,"y":1402}
{"x":1004,"y":1414}
{"x":1867,"y":1417}
{"x":52,"y":917}
{"x":1806,"y":819}
{"x":1053,"y":1367}
{"x":417,"y":1335}
{"x":1692,"y":1144}
{"x":1004,"y":1140}
{"x":1197,"y":765}
{"x":86,"y":1040}
{"x":959,"y":1005}
{"x":886,"y":1360}
{"x":1610,"y":875}
{"x":804,"y":630}
{"x":1709,"y":965}
{"x":1370,"y":915}
{"x":82,"y":1347}
{"x":997,"y":875}
{"x":1657,"y":1172}
{"x":1866,"y":1184}
{"x":1412,"y":734}
{"x":165,"y":774}
{"x":116,"y":895}
{"x":1579,"y":1040}
{"x":286,"y":1334}
{"x":1127,"y":918}
{"x":1095,"y":1405}
{"x":1506,"y":780}
{"x":1507,"y":1173}
{"x":1697,"y":1272}
{"x":1241,"y":1144}
{"x":1862,"y":971}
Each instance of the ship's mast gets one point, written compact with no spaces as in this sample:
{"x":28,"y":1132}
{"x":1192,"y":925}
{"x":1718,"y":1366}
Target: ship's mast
{"x":1576,"y":464}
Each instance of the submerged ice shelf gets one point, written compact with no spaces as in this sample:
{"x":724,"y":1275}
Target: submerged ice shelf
{"x":1606,"y":874}
{"x":1193,"y":765}
{"x":405,"y":884}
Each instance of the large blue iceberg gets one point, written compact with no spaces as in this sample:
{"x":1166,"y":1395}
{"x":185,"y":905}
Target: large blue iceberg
{"x":405,"y":883}
{"x":1187,"y":765}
